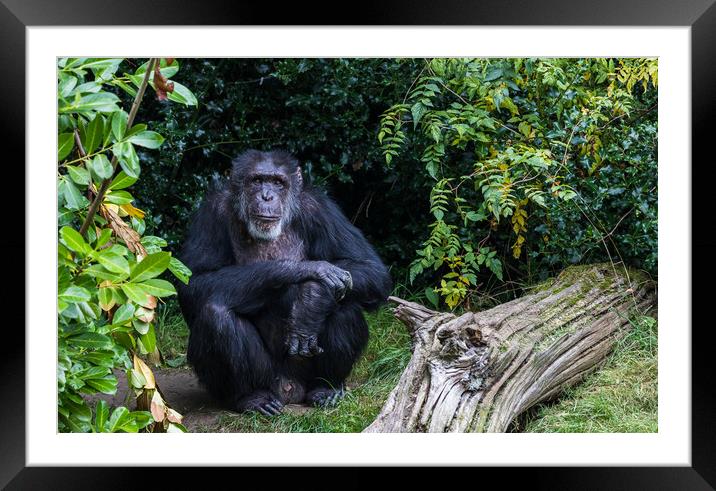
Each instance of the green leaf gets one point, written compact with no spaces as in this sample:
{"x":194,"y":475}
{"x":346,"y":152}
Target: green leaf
{"x":140,"y":419}
{"x":158,"y":288}
{"x":135,"y":129}
{"x":99,"y":271}
{"x":65,"y":142}
{"x":151,"y":266}
{"x":74,"y":294}
{"x":149,"y":340}
{"x":101,"y":166}
{"x":93,"y":134}
{"x":182,"y":95}
{"x":119,"y":124}
{"x":123,"y":314}
{"x":74,"y":241}
{"x":100,"y":102}
{"x":432,"y":296}
{"x":147,"y":139}
{"x":119,"y":197}
{"x":128,"y":159}
{"x":105,"y":385}
{"x":93,"y":340}
{"x":125,"y":87}
{"x":79,"y":175}
{"x":119,"y":417}
{"x":167,"y":70}
{"x":106,"y":298}
{"x":136,"y":378}
{"x":74,"y":200}
{"x":101,"y":412}
{"x":137,"y":293}
{"x":122,"y":181}
{"x":67,"y":83}
{"x":141,"y":327}
{"x":417,"y":111}
{"x":113,"y":262}
{"x":179,"y":270}
{"x":103,"y":238}
{"x":176,"y":428}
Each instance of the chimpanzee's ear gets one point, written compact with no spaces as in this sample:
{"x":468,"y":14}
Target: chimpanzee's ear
{"x":299,"y":176}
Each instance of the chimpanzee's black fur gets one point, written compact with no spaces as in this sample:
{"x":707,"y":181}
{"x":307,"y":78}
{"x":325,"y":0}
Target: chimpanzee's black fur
{"x":246,"y":294}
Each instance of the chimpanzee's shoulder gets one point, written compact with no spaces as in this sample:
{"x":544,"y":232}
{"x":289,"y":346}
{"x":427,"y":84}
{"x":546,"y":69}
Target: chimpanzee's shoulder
{"x":217,"y":198}
{"x":315,"y":205}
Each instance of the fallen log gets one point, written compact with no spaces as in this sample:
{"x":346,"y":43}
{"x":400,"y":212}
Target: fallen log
{"x":478,"y":371}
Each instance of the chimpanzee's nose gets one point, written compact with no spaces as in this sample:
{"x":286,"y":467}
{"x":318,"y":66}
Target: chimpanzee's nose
{"x":266,"y":196}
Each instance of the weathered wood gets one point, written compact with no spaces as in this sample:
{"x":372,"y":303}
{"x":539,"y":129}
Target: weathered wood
{"x":479,"y":371}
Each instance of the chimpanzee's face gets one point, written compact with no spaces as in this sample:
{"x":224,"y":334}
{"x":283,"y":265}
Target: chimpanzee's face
{"x":265,"y":200}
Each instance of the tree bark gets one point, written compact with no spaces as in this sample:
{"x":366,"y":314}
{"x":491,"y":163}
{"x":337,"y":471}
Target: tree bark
{"x":478,"y":371}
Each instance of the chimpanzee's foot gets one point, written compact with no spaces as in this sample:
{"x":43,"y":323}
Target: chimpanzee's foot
{"x":325,"y":396}
{"x":261,"y":401}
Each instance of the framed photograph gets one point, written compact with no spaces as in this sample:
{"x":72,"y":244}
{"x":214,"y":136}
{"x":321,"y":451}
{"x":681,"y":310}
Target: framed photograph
{"x":241,"y":193}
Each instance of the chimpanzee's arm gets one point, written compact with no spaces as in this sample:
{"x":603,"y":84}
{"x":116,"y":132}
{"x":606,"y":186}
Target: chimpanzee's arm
{"x":216,"y":279}
{"x":331,"y":237}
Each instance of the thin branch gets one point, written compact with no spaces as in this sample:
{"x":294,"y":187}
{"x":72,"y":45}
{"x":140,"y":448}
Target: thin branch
{"x":130,"y":120}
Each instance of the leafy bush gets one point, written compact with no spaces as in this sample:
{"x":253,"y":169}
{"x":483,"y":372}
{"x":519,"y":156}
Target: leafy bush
{"x":543,"y":158}
{"x":331,"y":113}
{"x":108,"y":273}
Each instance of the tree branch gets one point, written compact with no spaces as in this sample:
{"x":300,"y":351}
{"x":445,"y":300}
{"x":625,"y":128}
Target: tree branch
{"x":130,"y":120}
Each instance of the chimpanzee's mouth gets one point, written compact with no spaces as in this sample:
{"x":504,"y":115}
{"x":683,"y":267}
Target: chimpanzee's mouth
{"x":267,"y":218}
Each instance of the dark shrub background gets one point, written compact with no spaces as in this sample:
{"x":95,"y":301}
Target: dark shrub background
{"x":326,"y":112}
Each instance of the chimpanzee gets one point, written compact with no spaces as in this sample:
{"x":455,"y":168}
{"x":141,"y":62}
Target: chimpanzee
{"x":280,"y":281}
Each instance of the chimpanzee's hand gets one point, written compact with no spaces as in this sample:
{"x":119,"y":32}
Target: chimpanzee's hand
{"x":338,"y":280}
{"x":302,"y":343}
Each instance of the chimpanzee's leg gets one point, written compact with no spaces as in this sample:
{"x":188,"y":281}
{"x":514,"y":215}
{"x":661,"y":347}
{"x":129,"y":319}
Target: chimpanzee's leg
{"x":343,"y":339}
{"x":231,"y":360}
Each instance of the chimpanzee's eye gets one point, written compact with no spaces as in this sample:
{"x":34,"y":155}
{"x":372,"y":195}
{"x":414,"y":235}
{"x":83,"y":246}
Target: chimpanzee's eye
{"x":256,"y":180}
{"x":278,"y":182}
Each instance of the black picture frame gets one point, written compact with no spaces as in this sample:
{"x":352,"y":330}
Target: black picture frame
{"x":700,"y":15}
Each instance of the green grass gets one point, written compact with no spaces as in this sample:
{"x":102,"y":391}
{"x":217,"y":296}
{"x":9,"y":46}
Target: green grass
{"x":172,"y":334}
{"x":619,"y":397}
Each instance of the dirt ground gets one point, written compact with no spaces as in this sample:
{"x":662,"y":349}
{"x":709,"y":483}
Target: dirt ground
{"x":182,"y":391}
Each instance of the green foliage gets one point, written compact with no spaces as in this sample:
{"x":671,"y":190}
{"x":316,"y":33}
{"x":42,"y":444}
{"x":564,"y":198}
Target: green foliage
{"x":526,"y":149}
{"x":108,"y":282}
{"x":325,"y":111}
{"x":381,"y":133}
